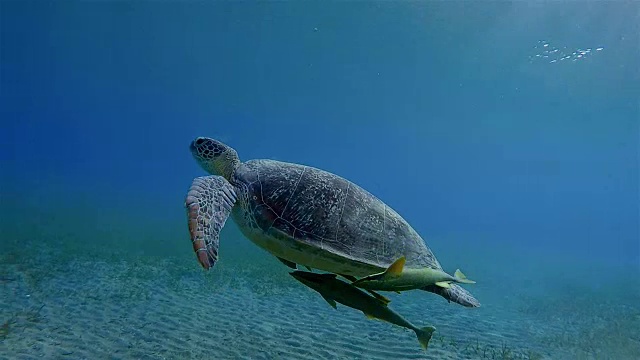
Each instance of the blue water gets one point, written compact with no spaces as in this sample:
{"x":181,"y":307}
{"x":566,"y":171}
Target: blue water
{"x":506,"y":134}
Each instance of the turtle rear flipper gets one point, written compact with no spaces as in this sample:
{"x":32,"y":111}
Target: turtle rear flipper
{"x":454,"y":293}
{"x":209,"y":203}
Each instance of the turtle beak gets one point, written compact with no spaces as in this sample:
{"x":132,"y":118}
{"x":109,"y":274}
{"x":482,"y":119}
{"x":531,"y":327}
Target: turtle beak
{"x":196,"y":143}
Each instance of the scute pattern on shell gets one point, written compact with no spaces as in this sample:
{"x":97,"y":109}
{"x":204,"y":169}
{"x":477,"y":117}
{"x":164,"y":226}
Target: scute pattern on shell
{"x":327,"y":211}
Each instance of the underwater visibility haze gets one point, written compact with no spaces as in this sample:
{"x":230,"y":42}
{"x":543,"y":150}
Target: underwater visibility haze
{"x":505,"y":134}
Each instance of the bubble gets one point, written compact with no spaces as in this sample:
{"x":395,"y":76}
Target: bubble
{"x":554,"y":54}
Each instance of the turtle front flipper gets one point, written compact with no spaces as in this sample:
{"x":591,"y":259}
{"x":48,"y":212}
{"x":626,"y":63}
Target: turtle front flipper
{"x":209,"y":203}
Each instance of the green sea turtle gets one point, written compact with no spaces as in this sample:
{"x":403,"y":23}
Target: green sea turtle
{"x":302,"y":215}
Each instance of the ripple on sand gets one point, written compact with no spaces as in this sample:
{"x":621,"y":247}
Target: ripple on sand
{"x":100,"y":310}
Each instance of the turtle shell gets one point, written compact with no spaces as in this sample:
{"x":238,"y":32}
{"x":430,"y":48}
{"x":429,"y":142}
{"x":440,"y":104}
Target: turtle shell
{"x":328,"y":212}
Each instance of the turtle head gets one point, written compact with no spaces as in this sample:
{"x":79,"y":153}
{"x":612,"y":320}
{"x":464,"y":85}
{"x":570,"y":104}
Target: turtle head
{"x":215,"y":157}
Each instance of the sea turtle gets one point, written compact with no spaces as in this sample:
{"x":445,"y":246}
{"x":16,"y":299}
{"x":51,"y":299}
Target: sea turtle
{"x":302,"y":215}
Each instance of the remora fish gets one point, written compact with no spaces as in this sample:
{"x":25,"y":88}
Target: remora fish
{"x":396,"y":278}
{"x":334,"y":290}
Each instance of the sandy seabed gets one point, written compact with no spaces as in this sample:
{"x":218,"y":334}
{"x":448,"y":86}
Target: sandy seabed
{"x":147,"y":308}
